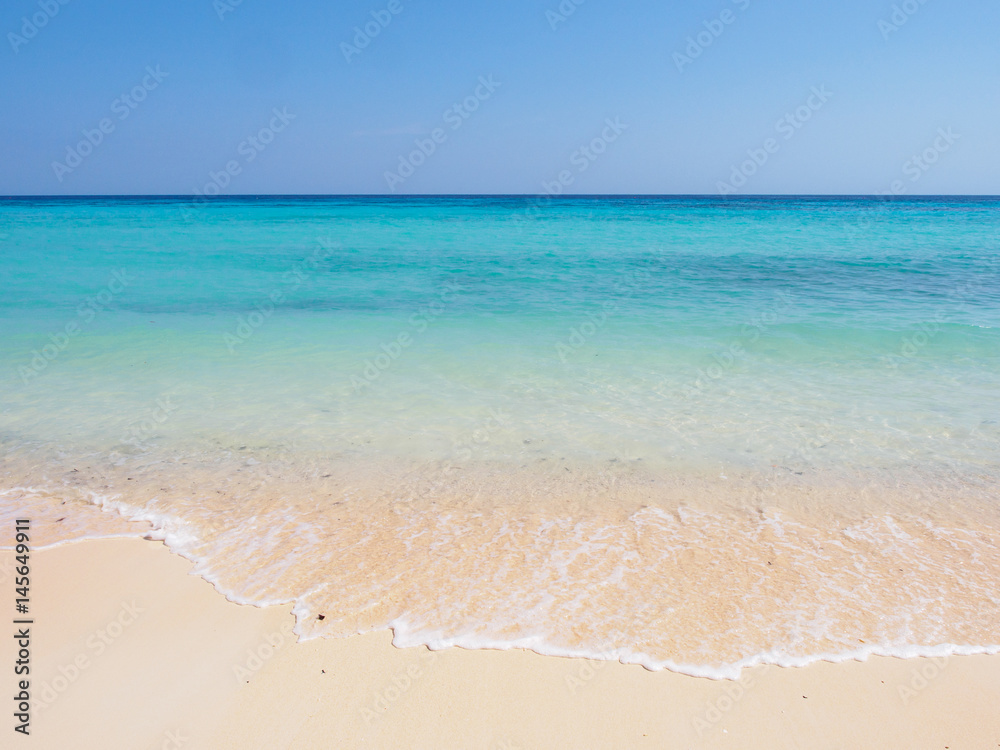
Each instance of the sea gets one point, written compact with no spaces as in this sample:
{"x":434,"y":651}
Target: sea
{"x":691,"y":433}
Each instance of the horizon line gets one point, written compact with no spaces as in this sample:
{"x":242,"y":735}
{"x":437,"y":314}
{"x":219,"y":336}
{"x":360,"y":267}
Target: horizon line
{"x":716,"y":196}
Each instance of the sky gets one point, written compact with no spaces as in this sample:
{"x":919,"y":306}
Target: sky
{"x":525,"y":96}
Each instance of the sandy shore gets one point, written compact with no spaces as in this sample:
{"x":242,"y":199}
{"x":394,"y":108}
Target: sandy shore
{"x":129,"y":651}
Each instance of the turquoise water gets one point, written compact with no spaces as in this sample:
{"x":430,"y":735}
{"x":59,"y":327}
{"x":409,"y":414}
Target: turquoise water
{"x":201,"y":365}
{"x":594,"y":322}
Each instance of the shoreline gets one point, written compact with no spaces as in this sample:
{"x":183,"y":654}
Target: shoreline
{"x":662,"y":594}
{"x":124,"y":629}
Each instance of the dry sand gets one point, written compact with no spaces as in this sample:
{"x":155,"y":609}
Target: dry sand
{"x":130,"y":651}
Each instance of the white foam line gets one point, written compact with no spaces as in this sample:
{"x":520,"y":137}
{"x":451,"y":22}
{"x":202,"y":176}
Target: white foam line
{"x":98,"y":500}
{"x":77,"y":540}
{"x":403,"y":637}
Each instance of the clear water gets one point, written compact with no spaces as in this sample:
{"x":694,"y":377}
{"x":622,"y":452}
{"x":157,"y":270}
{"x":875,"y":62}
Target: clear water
{"x":553,"y":423}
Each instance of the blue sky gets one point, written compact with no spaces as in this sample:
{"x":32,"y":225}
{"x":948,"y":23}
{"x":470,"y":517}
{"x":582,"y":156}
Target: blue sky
{"x":693,"y":115}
